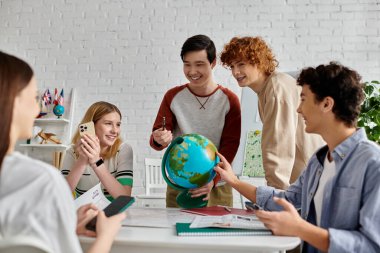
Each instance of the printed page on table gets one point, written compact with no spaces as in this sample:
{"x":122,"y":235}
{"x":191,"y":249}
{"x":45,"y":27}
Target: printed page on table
{"x":218,"y":211}
{"x":228,"y":221}
{"x":94,"y":195}
{"x":156,"y":217}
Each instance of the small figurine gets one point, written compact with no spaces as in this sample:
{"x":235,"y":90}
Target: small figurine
{"x":46,"y":137}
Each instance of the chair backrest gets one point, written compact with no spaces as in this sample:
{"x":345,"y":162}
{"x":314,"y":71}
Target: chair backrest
{"x":22,"y":244}
{"x":153,"y":176}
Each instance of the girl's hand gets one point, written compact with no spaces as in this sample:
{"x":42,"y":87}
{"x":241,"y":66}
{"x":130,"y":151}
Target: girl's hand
{"x":82,"y":157}
{"x":85,"y":213}
{"x":109,"y":226}
{"x":90,"y":146}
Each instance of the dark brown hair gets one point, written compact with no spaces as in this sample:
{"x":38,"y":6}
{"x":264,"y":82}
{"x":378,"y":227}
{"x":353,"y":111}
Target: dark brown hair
{"x":340,"y":83}
{"x":15,"y":75}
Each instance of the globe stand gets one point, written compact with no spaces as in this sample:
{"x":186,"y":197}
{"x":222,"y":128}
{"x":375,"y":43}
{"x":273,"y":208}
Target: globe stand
{"x":184,"y":199}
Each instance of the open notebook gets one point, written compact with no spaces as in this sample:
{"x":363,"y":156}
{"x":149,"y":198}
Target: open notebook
{"x":183,"y":229}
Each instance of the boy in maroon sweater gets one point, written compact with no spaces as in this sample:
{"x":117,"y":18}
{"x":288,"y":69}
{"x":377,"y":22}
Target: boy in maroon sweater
{"x":204,"y":107}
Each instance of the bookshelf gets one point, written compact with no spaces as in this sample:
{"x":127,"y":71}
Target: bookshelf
{"x":61,"y":127}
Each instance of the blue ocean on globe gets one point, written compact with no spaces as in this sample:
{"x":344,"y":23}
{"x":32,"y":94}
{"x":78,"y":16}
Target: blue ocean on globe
{"x":189,"y":163}
{"x":58,"y":110}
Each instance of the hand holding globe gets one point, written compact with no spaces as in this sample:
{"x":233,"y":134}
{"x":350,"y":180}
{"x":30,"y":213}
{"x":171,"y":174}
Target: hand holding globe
{"x":188,"y":164}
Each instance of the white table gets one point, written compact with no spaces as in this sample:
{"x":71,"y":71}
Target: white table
{"x":157,"y":240}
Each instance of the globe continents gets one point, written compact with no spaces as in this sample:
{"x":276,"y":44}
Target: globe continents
{"x":58,"y":110}
{"x":189,"y":161}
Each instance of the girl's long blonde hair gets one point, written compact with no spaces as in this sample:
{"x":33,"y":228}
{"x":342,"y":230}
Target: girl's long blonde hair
{"x":94,"y":113}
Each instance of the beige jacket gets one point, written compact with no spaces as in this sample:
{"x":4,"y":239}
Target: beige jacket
{"x":286,"y":147}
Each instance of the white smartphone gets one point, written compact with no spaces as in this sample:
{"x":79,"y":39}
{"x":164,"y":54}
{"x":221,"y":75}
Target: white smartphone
{"x":87,"y":128}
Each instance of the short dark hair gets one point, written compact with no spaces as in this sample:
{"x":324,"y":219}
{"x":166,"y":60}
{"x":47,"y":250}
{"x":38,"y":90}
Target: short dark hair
{"x":198,"y":43}
{"x":340,"y":83}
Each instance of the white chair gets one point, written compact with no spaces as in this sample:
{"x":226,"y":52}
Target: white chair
{"x":23,"y":244}
{"x":155,"y":185}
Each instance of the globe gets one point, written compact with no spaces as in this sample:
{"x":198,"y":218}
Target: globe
{"x":188,"y":163}
{"x":58,"y":110}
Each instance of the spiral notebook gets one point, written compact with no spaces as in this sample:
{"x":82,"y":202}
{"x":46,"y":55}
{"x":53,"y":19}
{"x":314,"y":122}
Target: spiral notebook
{"x":183,"y":229}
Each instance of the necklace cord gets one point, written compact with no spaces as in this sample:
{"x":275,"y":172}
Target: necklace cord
{"x":202,"y":104}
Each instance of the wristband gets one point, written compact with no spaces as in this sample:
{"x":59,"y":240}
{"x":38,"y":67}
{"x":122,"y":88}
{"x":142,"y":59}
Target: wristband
{"x":99,"y":162}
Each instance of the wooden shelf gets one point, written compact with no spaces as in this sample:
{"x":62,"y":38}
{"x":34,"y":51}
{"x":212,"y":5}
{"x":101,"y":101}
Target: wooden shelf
{"x":51,"y":120}
{"x":60,"y":127}
{"x":35,"y":145}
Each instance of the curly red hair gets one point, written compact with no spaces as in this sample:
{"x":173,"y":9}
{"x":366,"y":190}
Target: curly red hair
{"x":251,"y":49}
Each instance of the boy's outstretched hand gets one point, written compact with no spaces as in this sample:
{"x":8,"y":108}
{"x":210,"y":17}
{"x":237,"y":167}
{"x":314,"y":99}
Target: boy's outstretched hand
{"x":224,"y":169}
{"x":287,"y":222}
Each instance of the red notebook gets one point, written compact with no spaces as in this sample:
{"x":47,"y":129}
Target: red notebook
{"x":217,"y":211}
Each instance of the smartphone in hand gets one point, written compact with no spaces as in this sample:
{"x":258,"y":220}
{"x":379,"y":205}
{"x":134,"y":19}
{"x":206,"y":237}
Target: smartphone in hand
{"x":117,"y":206}
{"x":87,"y":128}
{"x":252,"y":206}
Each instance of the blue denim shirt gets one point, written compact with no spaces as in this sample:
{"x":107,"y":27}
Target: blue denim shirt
{"x":351,"y":200}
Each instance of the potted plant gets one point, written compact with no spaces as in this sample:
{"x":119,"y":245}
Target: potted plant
{"x":369,"y":117}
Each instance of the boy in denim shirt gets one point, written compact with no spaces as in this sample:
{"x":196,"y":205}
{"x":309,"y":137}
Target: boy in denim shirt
{"x":338,"y":192}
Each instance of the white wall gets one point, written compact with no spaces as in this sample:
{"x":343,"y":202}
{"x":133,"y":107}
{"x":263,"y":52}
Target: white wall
{"x":127,"y":52}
